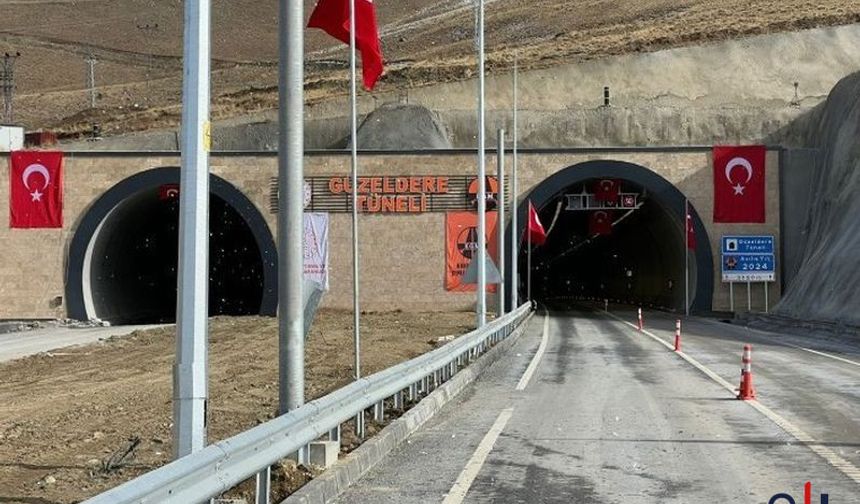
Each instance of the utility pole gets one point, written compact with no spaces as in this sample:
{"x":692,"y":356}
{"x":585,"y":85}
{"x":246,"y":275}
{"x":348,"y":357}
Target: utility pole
{"x":91,"y":78}
{"x":190,"y":370}
{"x":7,"y":82}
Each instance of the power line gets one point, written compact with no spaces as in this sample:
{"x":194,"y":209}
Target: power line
{"x":7,"y":82}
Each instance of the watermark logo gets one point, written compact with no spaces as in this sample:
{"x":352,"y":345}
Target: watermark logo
{"x":784,"y":498}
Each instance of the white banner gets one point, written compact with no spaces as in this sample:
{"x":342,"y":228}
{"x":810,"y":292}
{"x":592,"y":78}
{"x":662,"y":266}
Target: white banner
{"x":316,"y":248}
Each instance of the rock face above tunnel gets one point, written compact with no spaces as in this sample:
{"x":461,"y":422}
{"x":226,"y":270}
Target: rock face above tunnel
{"x":827,"y":285}
{"x":396,"y":126}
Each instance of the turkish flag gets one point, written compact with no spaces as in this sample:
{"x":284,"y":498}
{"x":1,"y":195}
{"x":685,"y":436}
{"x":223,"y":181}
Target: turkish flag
{"x":332,"y":16}
{"x":691,"y":231}
{"x":600,"y":223}
{"x":536,"y":233}
{"x":739,"y":177}
{"x":36,"y":189}
{"x":607,"y":190}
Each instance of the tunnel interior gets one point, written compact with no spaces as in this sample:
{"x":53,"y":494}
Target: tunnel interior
{"x":641,"y":261}
{"x":131,"y":264}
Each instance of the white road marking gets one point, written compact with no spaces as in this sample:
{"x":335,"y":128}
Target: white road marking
{"x":771,"y":336}
{"x":464,"y":482}
{"x":530,"y":371}
{"x":829,"y":456}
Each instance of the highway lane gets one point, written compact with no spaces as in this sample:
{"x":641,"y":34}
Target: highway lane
{"x":817,"y":392}
{"x":610,"y":416}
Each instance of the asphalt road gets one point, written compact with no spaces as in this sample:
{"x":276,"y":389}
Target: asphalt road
{"x":611,"y":415}
{"x":20,"y":344}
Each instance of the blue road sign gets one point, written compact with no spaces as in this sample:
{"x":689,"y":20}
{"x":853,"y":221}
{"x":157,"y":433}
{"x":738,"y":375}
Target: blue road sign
{"x":748,"y":245}
{"x":748,"y":259}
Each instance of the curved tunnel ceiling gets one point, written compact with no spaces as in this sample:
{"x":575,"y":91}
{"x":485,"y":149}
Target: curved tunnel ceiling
{"x":642,"y":261}
{"x":123,"y":257}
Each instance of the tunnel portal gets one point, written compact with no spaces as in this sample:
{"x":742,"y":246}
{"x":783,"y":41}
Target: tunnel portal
{"x":123,"y":259}
{"x":635,"y":251}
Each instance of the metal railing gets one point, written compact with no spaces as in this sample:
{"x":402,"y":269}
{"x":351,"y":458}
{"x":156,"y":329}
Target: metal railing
{"x":221,"y":466}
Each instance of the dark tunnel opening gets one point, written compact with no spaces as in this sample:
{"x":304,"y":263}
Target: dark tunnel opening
{"x":641,"y":260}
{"x":123,"y":258}
{"x":133,"y":266}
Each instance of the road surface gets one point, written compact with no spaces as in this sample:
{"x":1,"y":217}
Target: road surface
{"x":20,"y":344}
{"x":611,"y":415}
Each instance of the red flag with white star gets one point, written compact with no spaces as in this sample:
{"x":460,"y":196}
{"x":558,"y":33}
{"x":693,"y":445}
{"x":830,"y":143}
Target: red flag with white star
{"x":739,"y":184}
{"x":36,"y":189}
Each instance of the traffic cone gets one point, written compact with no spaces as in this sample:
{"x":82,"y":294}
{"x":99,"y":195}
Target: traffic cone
{"x":677,"y":335}
{"x":747,"y":391}
{"x":641,"y":323}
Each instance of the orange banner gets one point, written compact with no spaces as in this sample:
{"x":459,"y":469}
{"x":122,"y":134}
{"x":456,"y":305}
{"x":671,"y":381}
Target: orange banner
{"x":461,"y":246}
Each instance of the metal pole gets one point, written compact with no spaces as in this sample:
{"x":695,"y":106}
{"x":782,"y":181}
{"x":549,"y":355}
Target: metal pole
{"x":515,"y":238}
{"x":687,"y":257}
{"x":291,"y":349}
{"x":529,"y":261}
{"x":482,"y":172}
{"x":500,"y":221}
{"x":766,"y":304}
{"x":732,"y":297}
{"x":749,"y":297}
{"x":190,"y":390}
{"x":354,"y":156}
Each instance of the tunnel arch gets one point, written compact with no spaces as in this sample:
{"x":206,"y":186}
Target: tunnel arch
{"x":669,"y":197}
{"x":131,"y":197}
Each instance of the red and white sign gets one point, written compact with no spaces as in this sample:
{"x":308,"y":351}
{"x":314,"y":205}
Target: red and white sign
{"x":739,"y":184}
{"x":36,"y":189}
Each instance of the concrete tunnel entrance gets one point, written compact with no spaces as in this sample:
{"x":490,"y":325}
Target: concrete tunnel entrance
{"x":123,"y":257}
{"x":641,"y":261}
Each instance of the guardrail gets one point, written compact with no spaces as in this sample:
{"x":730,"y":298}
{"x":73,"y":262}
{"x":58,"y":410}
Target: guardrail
{"x":221,"y":466}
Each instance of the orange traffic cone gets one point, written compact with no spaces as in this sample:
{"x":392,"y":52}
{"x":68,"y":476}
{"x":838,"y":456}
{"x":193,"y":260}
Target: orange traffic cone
{"x":747,"y":391}
{"x":677,"y":335}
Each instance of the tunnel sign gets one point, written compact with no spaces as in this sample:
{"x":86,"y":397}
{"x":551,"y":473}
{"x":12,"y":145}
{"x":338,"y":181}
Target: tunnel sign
{"x":748,"y":245}
{"x":748,"y":259}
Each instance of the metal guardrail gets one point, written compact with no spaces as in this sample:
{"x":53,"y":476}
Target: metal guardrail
{"x":221,"y":466}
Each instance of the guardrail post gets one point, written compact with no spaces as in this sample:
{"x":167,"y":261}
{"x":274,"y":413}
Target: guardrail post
{"x":379,"y":411}
{"x":334,"y":434}
{"x":398,"y":400}
{"x":359,"y":425}
{"x":413,"y":392}
{"x":435,"y":379}
{"x":264,"y":479}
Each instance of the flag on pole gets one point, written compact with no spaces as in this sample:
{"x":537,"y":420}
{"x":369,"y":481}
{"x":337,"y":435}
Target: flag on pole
{"x":535,"y":230}
{"x":332,"y":16}
{"x":691,"y":231}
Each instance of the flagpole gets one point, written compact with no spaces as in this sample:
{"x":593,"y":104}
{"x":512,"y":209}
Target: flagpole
{"x":353,"y":100}
{"x":291,"y":338}
{"x":515,"y":236}
{"x":687,"y":257}
{"x":529,"y":262}
{"x":482,"y":189}
{"x":500,"y":221}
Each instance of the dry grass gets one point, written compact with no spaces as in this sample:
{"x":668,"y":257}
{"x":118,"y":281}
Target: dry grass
{"x":139,"y":73}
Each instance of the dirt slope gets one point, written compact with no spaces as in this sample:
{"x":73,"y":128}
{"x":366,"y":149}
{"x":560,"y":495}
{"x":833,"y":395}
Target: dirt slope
{"x":63,"y":414}
{"x":138,"y":44}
